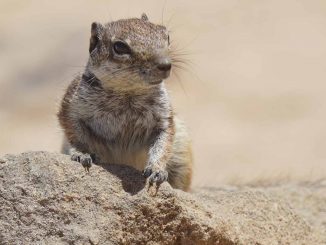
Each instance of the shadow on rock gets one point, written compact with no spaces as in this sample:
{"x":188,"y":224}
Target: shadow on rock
{"x":132,"y":180}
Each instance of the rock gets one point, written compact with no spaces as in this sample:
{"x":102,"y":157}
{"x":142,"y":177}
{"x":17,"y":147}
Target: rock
{"x":47,"y":199}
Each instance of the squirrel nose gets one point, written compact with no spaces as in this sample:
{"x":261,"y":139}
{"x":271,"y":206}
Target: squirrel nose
{"x":164,"y":65}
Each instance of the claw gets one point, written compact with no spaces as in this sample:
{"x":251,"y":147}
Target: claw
{"x":147,"y":172}
{"x":158,"y":177}
{"x":84,"y":158}
{"x":155,"y":175}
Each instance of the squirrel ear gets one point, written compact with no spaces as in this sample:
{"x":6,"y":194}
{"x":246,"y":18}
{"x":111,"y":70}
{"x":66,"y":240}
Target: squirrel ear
{"x":144,"y":17}
{"x":96,"y":35}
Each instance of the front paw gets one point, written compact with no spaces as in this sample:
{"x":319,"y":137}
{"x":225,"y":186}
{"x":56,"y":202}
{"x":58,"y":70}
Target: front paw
{"x":155,"y":174}
{"x":84,"y":158}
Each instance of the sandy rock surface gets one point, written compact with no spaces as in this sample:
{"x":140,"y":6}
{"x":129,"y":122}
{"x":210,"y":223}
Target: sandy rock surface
{"x":47,"y":199}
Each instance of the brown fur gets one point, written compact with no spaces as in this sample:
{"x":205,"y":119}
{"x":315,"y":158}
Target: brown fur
{"x":119,"y":110}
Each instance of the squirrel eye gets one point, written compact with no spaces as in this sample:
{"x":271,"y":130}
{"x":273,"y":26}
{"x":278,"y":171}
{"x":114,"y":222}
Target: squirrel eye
{"x":168,"y":39}
{"x":121,"y":48}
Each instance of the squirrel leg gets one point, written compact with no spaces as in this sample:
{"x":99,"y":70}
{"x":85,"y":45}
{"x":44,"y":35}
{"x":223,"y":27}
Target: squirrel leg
{"x":159,"y":153}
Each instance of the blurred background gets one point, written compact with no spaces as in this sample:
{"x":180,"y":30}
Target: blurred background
{"x":253,"y":94}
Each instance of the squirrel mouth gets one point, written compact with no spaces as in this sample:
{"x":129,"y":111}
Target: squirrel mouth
{"x":156,"y":82}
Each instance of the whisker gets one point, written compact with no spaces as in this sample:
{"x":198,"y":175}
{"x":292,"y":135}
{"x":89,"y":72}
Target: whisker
{"x":76,"y":66}
{"x":162,"y":14}
{"x":179,"y":82}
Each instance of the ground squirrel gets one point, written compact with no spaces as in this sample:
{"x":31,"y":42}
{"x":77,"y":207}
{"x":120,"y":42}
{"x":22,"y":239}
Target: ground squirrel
{"x":119,"y":111}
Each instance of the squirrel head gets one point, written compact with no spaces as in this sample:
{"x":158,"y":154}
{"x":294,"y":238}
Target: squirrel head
{"x":129,"y":53}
